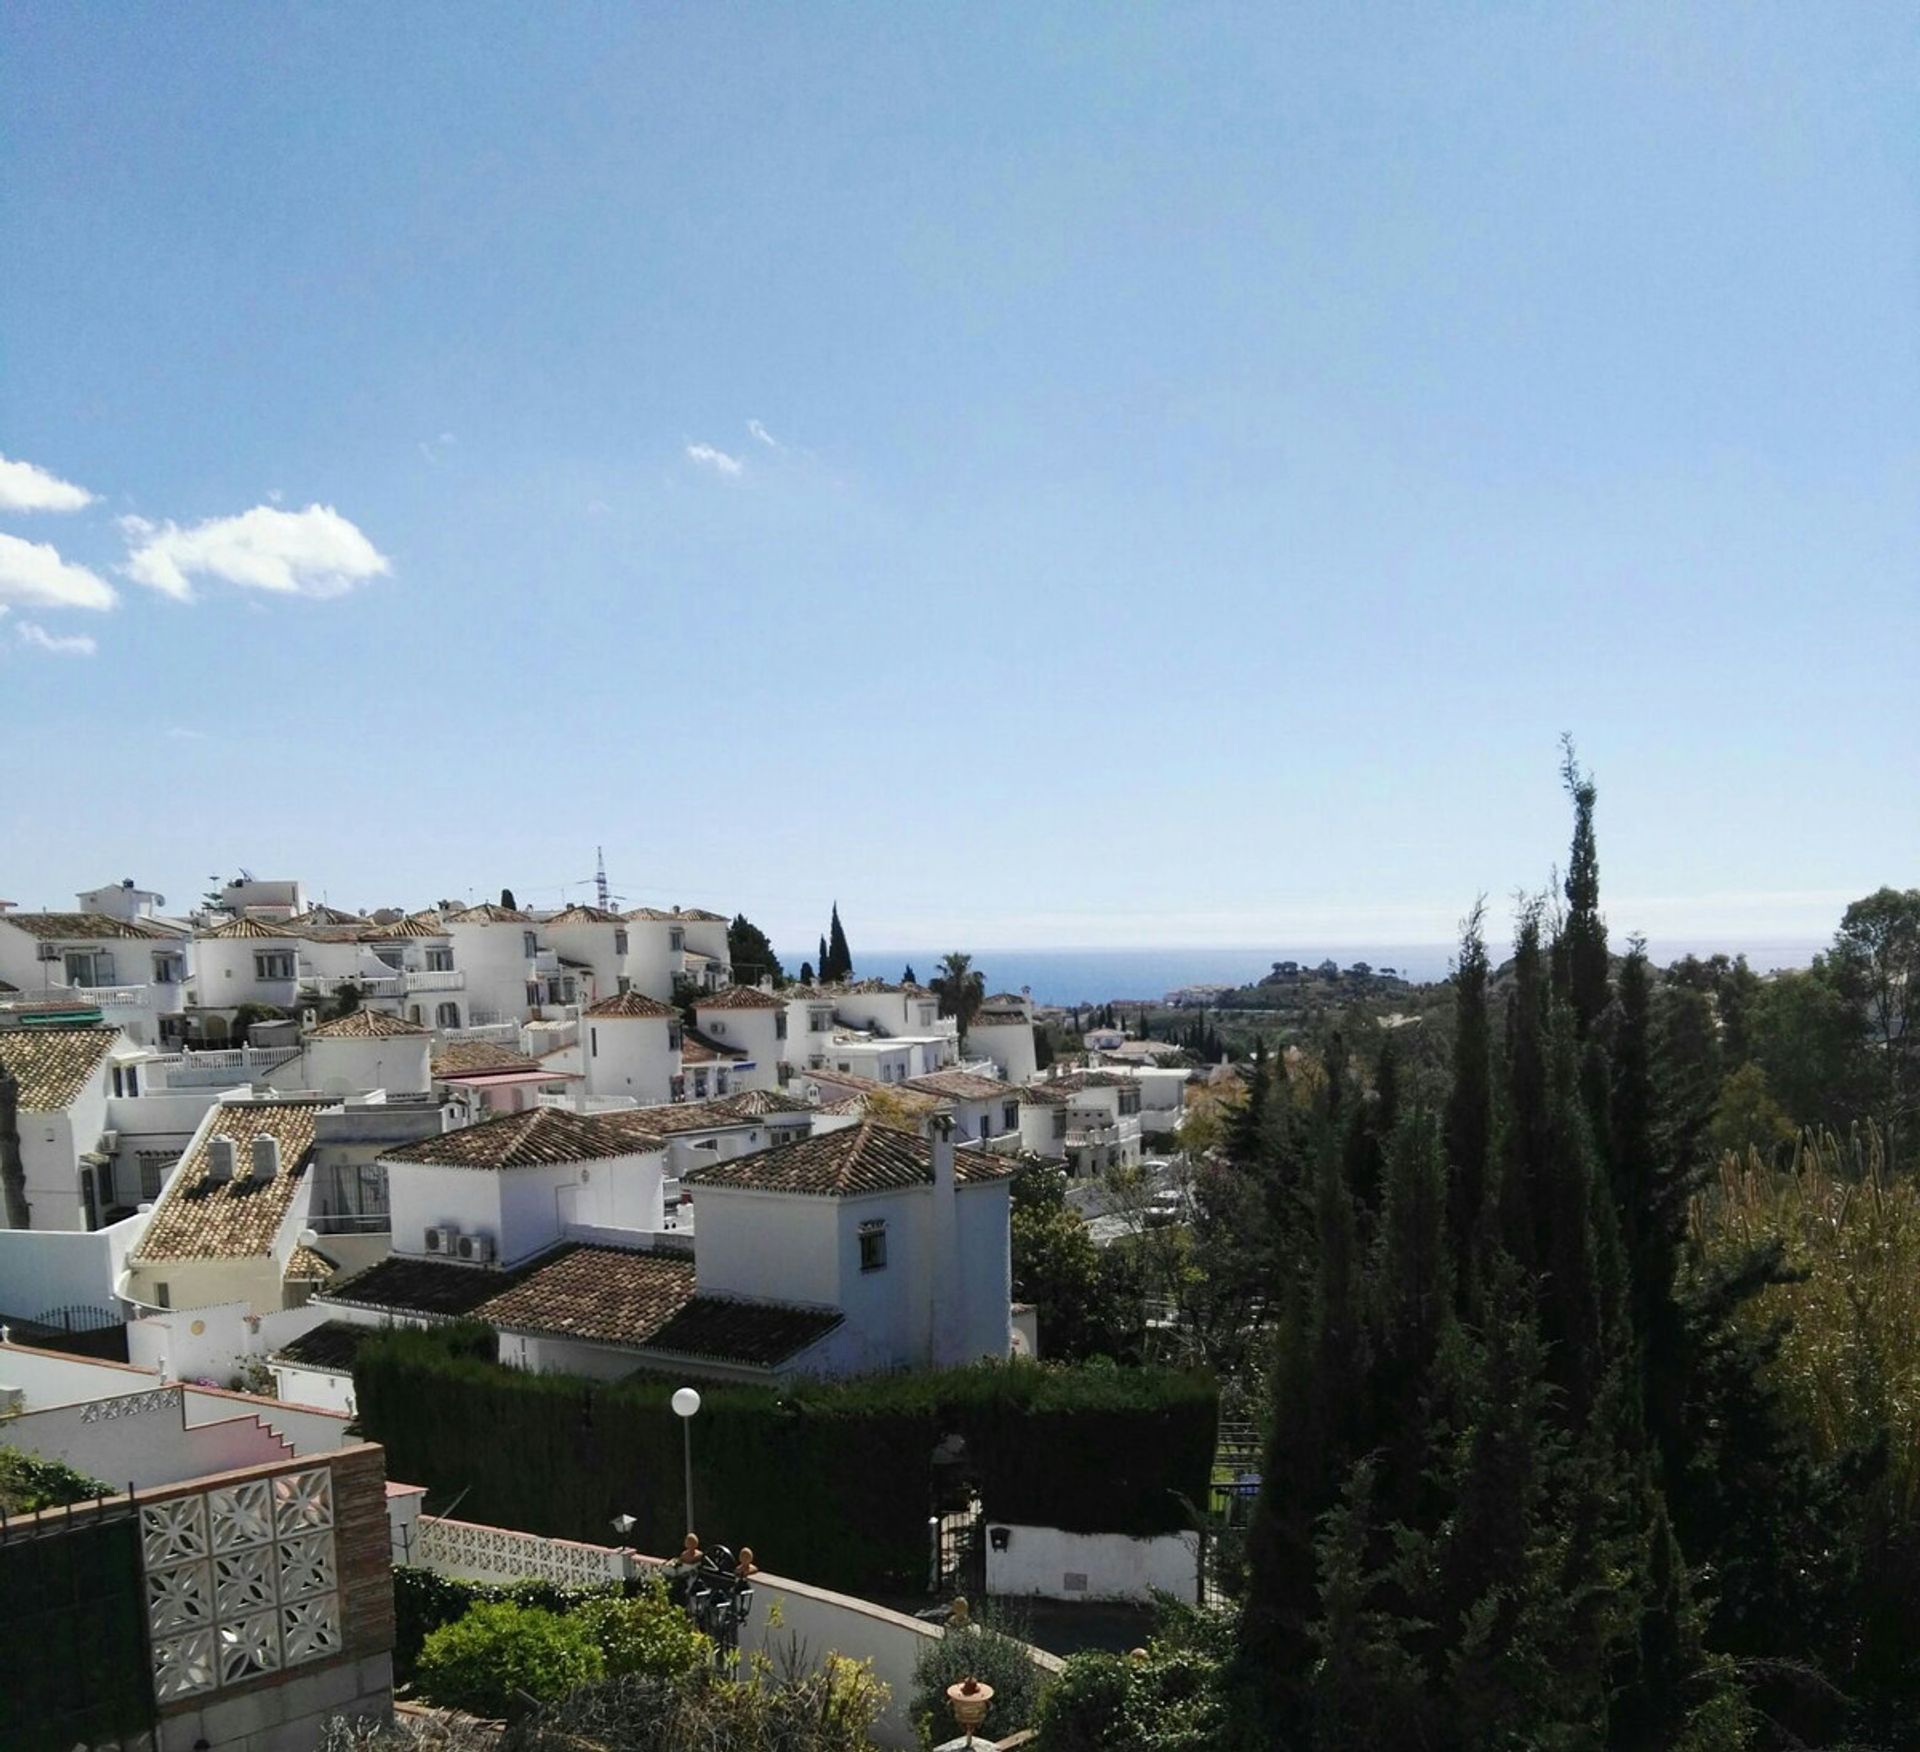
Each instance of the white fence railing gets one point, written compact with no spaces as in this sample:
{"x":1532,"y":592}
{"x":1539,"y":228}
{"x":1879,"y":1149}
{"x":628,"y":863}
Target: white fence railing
{"x":503,"y":1554}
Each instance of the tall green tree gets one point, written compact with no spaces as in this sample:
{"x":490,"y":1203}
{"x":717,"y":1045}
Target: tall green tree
{"x":751,"y":952}
{"x":1584,"y":930}
{"x":961,"y":988}
{"x":1876,"y":961}
{"x":836,"y":958}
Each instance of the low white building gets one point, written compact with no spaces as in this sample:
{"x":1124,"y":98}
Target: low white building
{"x":65,"y":1080}
{"x":630,"y":1049}
{"x":751,"y":1026}
{"x":982,"y":1107}
{"x":1090,"y":1120}
{"x":132,"y":972}
{"x":1002,"y":1030}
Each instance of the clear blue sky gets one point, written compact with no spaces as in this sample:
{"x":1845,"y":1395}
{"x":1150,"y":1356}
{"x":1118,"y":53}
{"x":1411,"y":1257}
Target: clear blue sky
{"x":1042,"y":475}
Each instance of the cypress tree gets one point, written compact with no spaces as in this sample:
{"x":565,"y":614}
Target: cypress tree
{"x":826,"y":976}
{"x":1468,"y":1127}
{"x":837,"y":950}
{"x":1585,"y":931}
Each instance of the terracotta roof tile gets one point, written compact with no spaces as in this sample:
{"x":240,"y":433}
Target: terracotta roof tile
{"x":366,"y":1025}
{"x":332,"y":1345}
{"x":869,"y":1157}
{"x":582,"y":915}
{"x":489,"y":914}
{"x":634,"y":1004}
{"x":697,"y":1049}
{"x":414,"y":926}
{"x":308,"y":1265}
{"x":701,"y":917}
{"x":52,"y":1065}
{"x":739,"y":998}
{"x":465,"y":1057}
{"x":400,"y":1285}
{"x":607,"y":1295}
{"x":58,"y":926}
{"x":722,"y":1329}
{"x":200,"y":1218}
{"x":959,"y":1086}
{"x":248,"y":927}
{"x":536,"y":1138}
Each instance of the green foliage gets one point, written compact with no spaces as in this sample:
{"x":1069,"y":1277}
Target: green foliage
{"x":499,"y":1652}
{"x":646,"y":1633}
{"x":751,"y":952}
{"x":836,"y":959}
{"x":244,"y":1017}
{"x":346,"y":999}
{"x":994,"y":1654}
{"x":1746,"y":1116}
{"x":1085,"y":1297}
{"x":961,"y":988}
{"x":828,"y":1481}
{"x":1173,"y":1700}
{"x":28,"y":1483}
{"x":424,"y":1600}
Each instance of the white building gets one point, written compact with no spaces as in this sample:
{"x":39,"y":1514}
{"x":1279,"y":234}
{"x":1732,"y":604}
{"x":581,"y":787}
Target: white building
{"x":65,"y":1079}
{"x":1090,"y":1120}
{"x":1002,"y":1030}
{"x":511,"y":975}
{"x":130,"y":971}
{"x":750,"y":1023}
{"x":630,"y":1049}
{"x":594,"y":945}
{"x":981,"y":1107}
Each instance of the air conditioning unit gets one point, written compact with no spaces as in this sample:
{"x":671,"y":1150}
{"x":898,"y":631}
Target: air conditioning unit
{"x":109,"y":1141}
{"x":477,"y":1249}
{"x":47,"y":952}
{"x":308,"y":1018}
{"x":443,"y":1239}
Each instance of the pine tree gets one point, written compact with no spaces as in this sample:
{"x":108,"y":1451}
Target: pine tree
{"x":806,"y":973}
{"x":1468,"y":1129}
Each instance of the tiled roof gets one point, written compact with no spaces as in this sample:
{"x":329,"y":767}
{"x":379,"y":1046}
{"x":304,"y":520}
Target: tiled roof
{"x":701,"y":917}
{"x":462,"y":1058}
{"x":536,"y":1138}
{"x":414,"y":926}
{"x":608,"y":1295}
{"x":199,"y":1218}
{"x":653,"y":915}
{"x":249,"y":927}
{"x":651,"y":1126}
{"x":424,"y":1286}
{"x":308,"y":1265}
{"x":365,"y":1025}
{"x":489,"y":914}
{"x":1041,"y":1095}
{"x":322,"y":914}
{"x":57,"y":926}
{"x":582,"y":915}
{"x":989,"y":1017}
{"x":697,"y":1049}
{"x":1003,"y":1001}
{"x":1070,"y":1082}
{"x":333,"y":1345}
{"x":632,"y":1004}
{"x":720,"y":1328}
{"x":869,"y":1157}
{"x":739,"y":998}
{"x":600,"y":1295}
{"x":959,"y":1086}
{"x":757,"y":1103}
{"x":52,"y":1065}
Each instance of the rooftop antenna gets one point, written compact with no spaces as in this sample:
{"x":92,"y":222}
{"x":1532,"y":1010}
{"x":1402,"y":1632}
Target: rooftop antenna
{"x":600,"y":879}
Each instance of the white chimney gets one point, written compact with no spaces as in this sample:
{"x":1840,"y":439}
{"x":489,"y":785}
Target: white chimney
{"x":220,"y":1153}
{"x":266,"y":1157}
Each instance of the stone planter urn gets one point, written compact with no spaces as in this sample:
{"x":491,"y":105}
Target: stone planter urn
{"x":969,"y":1700}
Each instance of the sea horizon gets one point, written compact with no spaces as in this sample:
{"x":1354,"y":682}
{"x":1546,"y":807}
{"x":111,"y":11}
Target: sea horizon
{"x":1065,"y":977}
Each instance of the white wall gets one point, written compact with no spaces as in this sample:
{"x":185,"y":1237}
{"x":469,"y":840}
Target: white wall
{"x":148,"y":1444}
{"x":771,"y":1247}
{"x":1011,"y":1048}
{"x":49,"y":1378}
{"x":888,"y":1311}
{"x":352,"y":1066}
{"x":212,"y":1343}
{"x":494,"y":959}
{"x":63,"y":1268}
{"x":630,"y":1056}
{"x":1052,"y":1565}
{"x":305,"y":1429}
{"x":314,"y":1387}
{"x":986,"y":1269}
{"x":526,"y":1210}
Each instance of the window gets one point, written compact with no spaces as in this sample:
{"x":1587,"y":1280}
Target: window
{"x":873,"y":1246}
{"x":413,"y":1012}
{"x":169,"y":969}
{"x":533,"y":993}
{"x":394,"y":957}
{"x":162,"y":1296}
{"x":716,"y":1026}
{"x":272,"y":964}
{"x":676,"y":940}
{"x":780,"y":1026}
{"x":529,"y":944}
{"x":620,"y":941}
{"x":447,"y":1016}
{"x":926,"y":1015}
{"x":153,"y":1171}
{"x":623,"y":985}
{"x":1010,"y":1116}
{"x":1130,"y":1100}
{"x":89,"y":967}
{"x":439,"y":961}
{"x":1059,"y":1123}
{"x":700,"y":1085}
{"x":819,"y":1021}
{"x":673,"y":1037}
{"x":593,"y":1043}
{"x":720,"y":1081}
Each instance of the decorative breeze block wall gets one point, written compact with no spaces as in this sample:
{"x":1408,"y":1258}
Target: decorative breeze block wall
{"x":242,"y":1581}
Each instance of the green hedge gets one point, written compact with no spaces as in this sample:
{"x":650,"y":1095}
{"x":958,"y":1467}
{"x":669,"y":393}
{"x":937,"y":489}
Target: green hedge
{"x":829,"y":1482}
{"x":423,"y":1601}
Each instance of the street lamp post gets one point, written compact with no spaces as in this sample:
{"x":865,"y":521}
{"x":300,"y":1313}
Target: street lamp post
{"x":686,"y":1401}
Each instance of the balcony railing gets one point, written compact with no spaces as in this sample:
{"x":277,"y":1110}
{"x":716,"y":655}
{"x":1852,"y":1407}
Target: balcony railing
{"x":350,"y":1222}
{"x":448,"y":979}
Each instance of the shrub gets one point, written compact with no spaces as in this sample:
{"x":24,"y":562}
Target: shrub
{"x":646,"y":1634}
{"x":993,"y":1655}
{"x":1173,"y":1701}
{"x":499,"y":1652}
{"x":1085,"y":1709}
{"x":424,"y":1600}
{"x":28,"y":1483}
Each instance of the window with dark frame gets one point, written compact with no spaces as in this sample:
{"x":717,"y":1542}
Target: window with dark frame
{"x":873,"y":1245}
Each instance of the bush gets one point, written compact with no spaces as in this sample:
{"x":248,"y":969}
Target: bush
{"x":1085,"y":1709}
{"x":28,"y":1483}
{"x":646,"y":1634}
{"x":424,"y":1600}
{"x":1173,"y":1701}
{"x":990,"y":1653}
{"x":499,"y":1652}
{"x":829,"y":1481}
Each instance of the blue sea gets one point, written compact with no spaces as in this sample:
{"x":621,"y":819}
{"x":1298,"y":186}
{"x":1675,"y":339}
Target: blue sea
{"x":1092,"y":976}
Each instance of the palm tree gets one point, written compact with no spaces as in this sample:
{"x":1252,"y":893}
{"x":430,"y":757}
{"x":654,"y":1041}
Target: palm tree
{"x":961,"y":988}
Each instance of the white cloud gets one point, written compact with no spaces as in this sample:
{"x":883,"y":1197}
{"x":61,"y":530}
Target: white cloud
{"x":61,"y":645}
{"x":767,"y":438}
{"x":315,"y":552}
{"x":23,"y":487}
{"x":717,"y":460}
{"x":33,"y":571}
